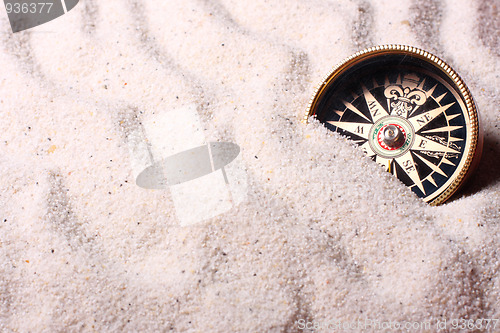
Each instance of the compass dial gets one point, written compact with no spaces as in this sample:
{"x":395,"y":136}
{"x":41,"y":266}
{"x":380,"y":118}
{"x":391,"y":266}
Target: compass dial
{"x":408,"y":111}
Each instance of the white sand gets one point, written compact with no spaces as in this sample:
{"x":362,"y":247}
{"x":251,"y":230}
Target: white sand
{"x":325,"y":233}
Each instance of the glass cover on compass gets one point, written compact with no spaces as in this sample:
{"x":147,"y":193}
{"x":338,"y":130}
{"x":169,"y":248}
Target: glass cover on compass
{"x":408,"y":111}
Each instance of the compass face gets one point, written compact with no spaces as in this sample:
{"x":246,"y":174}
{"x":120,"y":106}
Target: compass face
{"x":405,"y":111}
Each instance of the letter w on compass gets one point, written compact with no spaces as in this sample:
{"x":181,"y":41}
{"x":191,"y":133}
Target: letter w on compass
{"x":404,"y":99}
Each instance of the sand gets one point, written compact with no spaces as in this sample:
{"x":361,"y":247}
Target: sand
{"x":324,"y":234}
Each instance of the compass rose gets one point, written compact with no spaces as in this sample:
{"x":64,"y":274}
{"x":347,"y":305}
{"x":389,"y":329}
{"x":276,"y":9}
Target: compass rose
{"x":404,"y":114}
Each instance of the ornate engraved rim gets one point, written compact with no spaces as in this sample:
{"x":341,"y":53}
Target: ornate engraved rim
{"x":476,"y":140}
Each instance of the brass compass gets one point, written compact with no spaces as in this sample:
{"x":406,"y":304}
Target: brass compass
{"x":408,"y":111}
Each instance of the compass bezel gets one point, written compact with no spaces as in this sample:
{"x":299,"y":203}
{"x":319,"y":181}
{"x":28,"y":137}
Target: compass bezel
{"x":473,"y":149}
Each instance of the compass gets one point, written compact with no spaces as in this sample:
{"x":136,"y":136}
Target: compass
{"x":409,"y":111}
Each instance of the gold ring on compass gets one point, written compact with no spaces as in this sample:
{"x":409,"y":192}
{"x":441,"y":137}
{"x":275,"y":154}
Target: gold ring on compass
{"x":409,"y":111}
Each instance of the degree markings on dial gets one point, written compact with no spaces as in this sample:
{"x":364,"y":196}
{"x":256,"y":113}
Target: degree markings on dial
{"x":376,"y":110}
{"x":408,"y":165}
{"x":424,"y":118}
{"x":359,"y":129}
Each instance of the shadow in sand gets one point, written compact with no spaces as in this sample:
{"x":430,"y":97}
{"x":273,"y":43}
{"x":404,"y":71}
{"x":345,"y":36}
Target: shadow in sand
{"x":488,"y":171}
